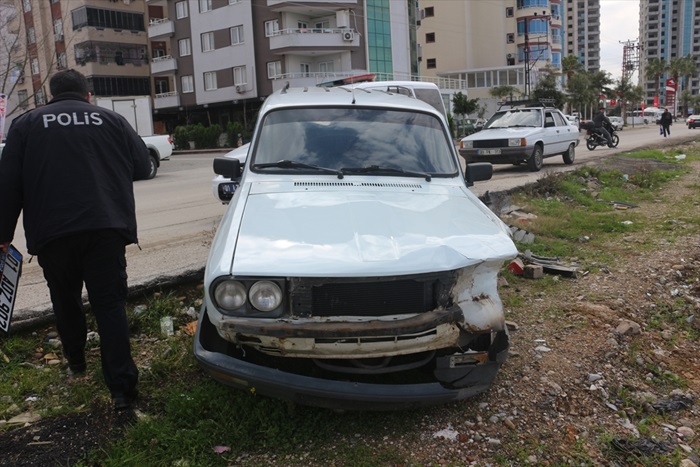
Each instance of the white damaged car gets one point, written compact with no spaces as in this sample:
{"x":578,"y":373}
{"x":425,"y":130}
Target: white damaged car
{"x":354,"y":268}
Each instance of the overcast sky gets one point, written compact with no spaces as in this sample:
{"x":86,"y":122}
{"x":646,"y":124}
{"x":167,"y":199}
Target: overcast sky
{"x":619,"y":22}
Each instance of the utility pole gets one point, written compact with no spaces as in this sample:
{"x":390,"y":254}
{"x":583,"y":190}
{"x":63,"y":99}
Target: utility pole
{"x":630,"y":58}
{"x":528,"y":66}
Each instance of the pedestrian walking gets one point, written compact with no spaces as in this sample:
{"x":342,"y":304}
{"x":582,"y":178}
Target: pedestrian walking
{"x":69,"y":167}
{"x":666,"y":122}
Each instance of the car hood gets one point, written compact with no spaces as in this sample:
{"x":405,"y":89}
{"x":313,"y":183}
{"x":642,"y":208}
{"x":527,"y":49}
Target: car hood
{"x":353,"y":231}
{"x":503,"y":133}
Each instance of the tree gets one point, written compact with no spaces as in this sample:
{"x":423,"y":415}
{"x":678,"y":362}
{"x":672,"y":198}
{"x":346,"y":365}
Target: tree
{"x":627,"y":92}
{"x":547,"y":89}
{"x":656,"y":68}
{"x":687,"y":68}
{"x":570,"y":65}
{"x":462,"y":105}
{"x":499,"y":92}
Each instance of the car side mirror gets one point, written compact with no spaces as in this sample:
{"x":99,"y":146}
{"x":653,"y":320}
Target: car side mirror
{"x":478,"y":172}
{"x":229,"y":168}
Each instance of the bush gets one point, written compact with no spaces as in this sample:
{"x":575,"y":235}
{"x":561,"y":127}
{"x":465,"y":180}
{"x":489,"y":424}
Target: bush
{"x":233,"y":129}
{"x":204,"y":137}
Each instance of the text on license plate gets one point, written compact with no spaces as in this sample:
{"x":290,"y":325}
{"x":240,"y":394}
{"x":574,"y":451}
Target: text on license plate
{"x":489,"y":152}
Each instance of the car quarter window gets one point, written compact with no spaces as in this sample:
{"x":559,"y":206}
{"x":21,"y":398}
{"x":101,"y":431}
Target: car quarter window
{"x":549,"y":120}
{"x":560,"y":120}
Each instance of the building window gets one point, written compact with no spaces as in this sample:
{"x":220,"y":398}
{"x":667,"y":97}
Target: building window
{"x":31,"y":35}
{"x":274,"y":69}
{"x":239,"y":75}
{"x":305,"y":69}
{"x":431,"y":63}
{"x":35,"y":66}
{"x":39,"y":97}
{"x":181,"y":10}
{"x":23,"y":98}
{"x":509,"y":12}
{"x":61,"y":60}
{"x":430,"y":37}
{"x":429,"y":11}
{"x":204,"y":5}
{"x":272,"y":28}
{"x":27,"y":5}
{"x":510,"y":38}
{"x":326,"y":67}
{"x":210,"y":81}
{"x":237,"y":35}
{"x":101,"y":18}
{"x":187,"y":84}
{"x":58,"y":29}
{"x":207,"y":42}
{"x":185,"y":47}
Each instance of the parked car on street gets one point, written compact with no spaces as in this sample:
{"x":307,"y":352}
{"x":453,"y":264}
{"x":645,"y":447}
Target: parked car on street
{"x":354,"y":268}
{"x":617,"y":123}
{"x":525,"y":133}
{"x":693,"y":121}
{"x":574,"y":120}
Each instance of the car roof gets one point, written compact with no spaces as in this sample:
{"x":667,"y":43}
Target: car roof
{"x":342,"y":96}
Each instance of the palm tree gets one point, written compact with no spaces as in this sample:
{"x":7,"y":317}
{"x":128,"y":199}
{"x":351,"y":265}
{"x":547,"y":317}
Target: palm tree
{"x":682,"y":66}
{"x":627,"y":92}
{"x":570,"y":65}
{"x":499,"y":92}
{"x":688,"y":69}
{"x":656,"y":68}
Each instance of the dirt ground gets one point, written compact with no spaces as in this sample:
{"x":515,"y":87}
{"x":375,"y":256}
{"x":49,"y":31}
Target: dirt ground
{"x":593,"y":376}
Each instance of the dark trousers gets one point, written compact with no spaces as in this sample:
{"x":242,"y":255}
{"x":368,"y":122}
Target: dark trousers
{"x":667,"y":130}
{"x":98,"y":259}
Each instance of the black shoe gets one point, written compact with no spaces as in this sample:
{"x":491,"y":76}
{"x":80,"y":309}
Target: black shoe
{"x":77,"y":365}
{"x":125,"y":401}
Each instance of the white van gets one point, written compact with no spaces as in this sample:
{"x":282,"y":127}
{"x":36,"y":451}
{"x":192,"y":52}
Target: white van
{"x":426,"y":92}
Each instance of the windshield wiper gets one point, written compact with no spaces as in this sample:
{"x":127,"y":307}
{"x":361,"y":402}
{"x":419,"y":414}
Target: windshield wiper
{"x":287,"y":164}
{"x":377,"y":168}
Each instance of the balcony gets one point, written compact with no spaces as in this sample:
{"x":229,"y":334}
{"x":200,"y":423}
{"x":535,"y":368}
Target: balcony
{"x":166,"y":99}
{"x":159,"y":27}
{"x":324,"y":39}
{"x":164,"y":64}
{"x":297,"y":80}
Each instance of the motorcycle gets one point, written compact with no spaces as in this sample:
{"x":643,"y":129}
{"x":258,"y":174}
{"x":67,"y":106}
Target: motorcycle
{"x":595,"y":139}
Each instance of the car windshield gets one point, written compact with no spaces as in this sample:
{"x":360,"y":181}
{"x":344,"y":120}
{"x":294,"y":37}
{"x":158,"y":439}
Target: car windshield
{"x":351,"y":138}
{"x":515,"y":118}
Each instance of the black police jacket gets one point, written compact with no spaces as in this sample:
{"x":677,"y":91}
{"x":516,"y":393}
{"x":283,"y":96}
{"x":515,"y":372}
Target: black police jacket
{"x":70,"y":166}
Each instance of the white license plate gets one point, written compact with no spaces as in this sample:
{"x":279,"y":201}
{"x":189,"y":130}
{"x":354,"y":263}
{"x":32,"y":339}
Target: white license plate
{"x":489,"y":152}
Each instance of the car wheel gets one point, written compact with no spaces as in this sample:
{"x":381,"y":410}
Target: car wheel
{"x":615,"y":140}
{"x":153,"y":167}
{"x":536,"y":160}
{"x":570,"y":154}
{"x":590,"y":144}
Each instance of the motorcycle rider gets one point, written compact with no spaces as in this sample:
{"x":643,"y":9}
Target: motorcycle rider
{"x":599,"y":123}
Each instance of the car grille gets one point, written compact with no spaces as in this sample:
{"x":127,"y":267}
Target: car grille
{"x":361,"y":297}
{"x":490,"y":143}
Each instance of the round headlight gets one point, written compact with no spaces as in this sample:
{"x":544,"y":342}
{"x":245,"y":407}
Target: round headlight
{"x":229,"y":295}
{"x":265,"y":295}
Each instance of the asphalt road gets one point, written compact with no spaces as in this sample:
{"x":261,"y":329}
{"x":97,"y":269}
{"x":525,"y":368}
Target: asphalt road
{"x":178,"y":216}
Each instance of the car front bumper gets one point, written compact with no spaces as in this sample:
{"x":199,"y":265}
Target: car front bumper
{"x":507,"y":155}
{"x":455,"y":382}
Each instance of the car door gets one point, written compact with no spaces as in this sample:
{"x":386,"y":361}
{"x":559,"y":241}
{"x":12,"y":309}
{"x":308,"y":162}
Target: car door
{"x":566,"y":132}
{"x":552,"y":137}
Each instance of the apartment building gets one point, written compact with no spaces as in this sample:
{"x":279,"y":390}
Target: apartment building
{"x":505,"y":42}
{"x":212,"y":61}
{"x":582,"y":32}
{"x":103,"y":39}
{"x":669,"y":30}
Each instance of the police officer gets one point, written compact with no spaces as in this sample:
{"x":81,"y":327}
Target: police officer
{"x":70,"y":166}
